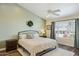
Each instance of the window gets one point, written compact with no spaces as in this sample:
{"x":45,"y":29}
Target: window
{"x":65,"y":30}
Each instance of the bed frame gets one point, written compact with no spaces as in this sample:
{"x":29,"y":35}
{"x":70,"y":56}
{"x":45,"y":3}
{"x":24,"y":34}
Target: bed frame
{"x":33,"y":31}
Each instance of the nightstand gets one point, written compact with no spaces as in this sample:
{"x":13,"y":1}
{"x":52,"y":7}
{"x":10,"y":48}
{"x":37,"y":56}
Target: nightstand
{"x":44,"y":36}
{"x":11,"y":44}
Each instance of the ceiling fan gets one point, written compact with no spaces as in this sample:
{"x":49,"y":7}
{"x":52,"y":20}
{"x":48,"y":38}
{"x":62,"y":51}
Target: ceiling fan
{"x":54,"y":12}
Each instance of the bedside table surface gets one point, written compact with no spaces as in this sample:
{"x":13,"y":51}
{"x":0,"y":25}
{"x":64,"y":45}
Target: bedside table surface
{"x":11,"y":44}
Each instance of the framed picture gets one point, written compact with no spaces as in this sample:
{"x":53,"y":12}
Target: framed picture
{"x":48,"y":27}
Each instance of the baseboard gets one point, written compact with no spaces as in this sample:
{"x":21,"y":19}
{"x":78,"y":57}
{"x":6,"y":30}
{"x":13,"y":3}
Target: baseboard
{"x":1,"y":49}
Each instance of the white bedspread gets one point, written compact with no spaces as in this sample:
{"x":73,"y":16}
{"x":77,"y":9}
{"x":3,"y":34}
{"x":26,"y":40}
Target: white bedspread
{"x":34,"y":46}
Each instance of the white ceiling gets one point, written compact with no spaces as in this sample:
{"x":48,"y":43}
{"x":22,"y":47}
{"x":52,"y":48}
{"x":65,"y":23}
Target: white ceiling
{"x":40,"y":9}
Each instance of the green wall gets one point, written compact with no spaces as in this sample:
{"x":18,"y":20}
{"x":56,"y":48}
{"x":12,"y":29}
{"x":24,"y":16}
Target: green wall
{"x":13,"y":19}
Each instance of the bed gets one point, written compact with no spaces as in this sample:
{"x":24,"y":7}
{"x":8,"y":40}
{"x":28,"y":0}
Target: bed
{"x":34,"y":44}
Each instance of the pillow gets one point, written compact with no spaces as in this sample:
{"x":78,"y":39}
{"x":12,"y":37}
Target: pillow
{"x":22,"y":36}
{"x":29,"y":36}
{"x":36,"y":35}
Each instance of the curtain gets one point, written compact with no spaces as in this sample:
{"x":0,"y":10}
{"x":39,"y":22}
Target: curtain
{"x":52,"y":34}
{"x":77,"y":33}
